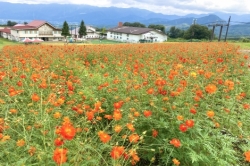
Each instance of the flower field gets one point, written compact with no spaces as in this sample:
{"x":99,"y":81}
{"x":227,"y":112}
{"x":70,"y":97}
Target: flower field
{"x":126,"y":104}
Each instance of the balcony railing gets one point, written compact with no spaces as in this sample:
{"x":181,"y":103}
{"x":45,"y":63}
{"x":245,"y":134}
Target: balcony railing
{"x":45,"y":32}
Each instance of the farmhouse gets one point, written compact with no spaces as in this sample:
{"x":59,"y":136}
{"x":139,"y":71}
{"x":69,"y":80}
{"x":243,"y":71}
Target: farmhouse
{"x":35,"y":29}
{"x":91,"y":33}
{"x":135,"y":34}
{"x":5,"y":32}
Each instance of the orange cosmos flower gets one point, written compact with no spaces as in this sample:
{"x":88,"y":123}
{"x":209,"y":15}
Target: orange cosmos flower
{"x":20,"y":143}
{"x":176,"y":142}
{"x":190,"y":123}
{"x":134,"y":138}
{"x":176,"y":162}
{"x":118,"y":128}
{"x":32,"y":150}
{"x":57,"y":115}
{"x":117,"y":152}
{"x":35,"y":97}
{"x":130,"y":126}
{"x":60,"y":155}
{"x":247,"y":156}
{"x":68,"y":132}
{"x":117,"y":115}
{"x":147,"y":113}
{"x":104,"y":137}
{"x":210,"y":88}
{"x":180,"y":117}
{"x":210,"y":114}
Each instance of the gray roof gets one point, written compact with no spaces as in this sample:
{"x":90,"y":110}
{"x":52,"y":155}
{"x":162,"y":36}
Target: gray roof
{"x":131,"y":30}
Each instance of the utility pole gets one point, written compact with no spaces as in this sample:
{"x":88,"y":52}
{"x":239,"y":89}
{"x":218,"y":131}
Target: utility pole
{"x":227,"y":28}
{"x":221,"y":25}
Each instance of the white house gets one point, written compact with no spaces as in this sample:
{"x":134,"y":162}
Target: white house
{"x":35,"y":29}
{"x":135,"y":34}
{"x":5,"y":32}
{"x":91,"y":33}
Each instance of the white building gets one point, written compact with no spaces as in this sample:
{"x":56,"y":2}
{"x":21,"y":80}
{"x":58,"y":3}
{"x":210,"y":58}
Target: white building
{"x":91,"y":33}
{"x":5,"y":32}
{"x":35,"y":29}
{"x":135,"y":34}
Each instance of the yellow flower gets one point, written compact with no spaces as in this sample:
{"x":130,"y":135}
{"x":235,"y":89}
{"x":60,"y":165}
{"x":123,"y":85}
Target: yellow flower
{"x":193,"y":74}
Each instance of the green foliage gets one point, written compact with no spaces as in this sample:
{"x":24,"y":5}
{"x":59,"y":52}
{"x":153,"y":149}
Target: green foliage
{"x":158,"y":27}
{"x":65,"y":29}
{"x":135,"y":24}
{"x":197,"y":32}
{"x":11,"y":23}
{"x":175,"y":32}
{"x":82,"y":30}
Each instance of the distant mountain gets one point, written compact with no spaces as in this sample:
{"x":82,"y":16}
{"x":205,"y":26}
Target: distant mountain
{"x":110,"y":16}
{"x":98,"y":16}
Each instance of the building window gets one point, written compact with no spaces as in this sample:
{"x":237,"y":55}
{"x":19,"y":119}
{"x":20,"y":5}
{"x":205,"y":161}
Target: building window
{"x":120,"y":37}
{"x":127,"y":38}
{"x":16,"y":31}
{"x":127,"y":35}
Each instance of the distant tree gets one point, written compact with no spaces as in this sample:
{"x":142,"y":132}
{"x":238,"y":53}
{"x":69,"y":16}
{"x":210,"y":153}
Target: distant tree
{"x":65,"y":29}
{"x":11,"y":23}
{"x":197,"y":32}
{"x":82,"y":30}
{"x":175,"y":32}
{"x":158,"y":27}
{"x":135,"y":24}
{"x":25,"y":23}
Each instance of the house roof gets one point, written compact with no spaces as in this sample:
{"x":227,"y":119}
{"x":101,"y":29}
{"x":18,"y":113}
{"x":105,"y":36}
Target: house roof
{"x":32,"y":25}
{"x":36,"y":23}
{"x":5,"y":30}
{"x":130,"y":30}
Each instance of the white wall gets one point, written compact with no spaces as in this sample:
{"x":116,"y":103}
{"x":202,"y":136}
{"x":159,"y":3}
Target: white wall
{"x":157,"y":36}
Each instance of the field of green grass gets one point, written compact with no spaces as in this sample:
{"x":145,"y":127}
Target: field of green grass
{"x":4,"y":42}
{"x":245,"y":46}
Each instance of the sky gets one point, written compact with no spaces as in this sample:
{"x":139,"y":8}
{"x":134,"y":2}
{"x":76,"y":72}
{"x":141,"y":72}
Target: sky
{"x":178,"y":7}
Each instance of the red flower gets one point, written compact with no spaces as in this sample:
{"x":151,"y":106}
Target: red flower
{"x":147,"y":113}
{"x":183,"y":127}
{"x":60,"y":156}
{"x":117,"y":152}
{"x":193,"y":111}
{"x":154,"y":133}
{"x":68,"y":131}
{"x":175,"y":142}
{"x":58,"y":142}
{"x":190,"y":123}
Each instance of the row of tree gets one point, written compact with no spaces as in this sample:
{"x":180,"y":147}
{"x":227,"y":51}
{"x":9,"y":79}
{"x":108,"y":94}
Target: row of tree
{"x":65,"y":29}
{"x":194,"y":32}
{"x":153,"y":26}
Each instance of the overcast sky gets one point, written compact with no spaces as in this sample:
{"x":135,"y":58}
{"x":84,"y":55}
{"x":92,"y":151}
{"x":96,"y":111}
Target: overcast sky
{"x":179,"y":7}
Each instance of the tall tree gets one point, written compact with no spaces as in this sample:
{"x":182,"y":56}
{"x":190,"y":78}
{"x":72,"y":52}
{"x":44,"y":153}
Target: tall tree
{"x":11,"y":23}
{"x":175,"y":32}
{"x":65,"y":29}
{"x":82,"y":30}
{"x":197,"y":32}
{"x":135,"y":24}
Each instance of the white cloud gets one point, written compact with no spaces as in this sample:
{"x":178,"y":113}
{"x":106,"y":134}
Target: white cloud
{"x":179,"y":7}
